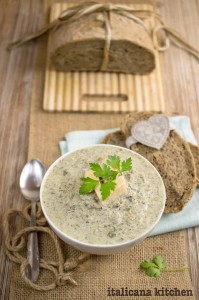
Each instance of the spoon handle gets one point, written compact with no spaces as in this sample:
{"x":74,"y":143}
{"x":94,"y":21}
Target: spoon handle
{"x":33,"y":249}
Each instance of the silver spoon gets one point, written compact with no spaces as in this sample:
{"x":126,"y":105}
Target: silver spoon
{"x":30,"y":182}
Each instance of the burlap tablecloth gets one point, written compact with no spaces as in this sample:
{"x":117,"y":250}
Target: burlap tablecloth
{"x":100,"y":276}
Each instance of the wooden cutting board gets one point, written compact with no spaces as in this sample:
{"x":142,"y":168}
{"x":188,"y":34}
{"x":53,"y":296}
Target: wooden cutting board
{"x":102,"y":92}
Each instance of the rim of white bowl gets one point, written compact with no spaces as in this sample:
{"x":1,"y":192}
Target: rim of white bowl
{"x":101,"y":246}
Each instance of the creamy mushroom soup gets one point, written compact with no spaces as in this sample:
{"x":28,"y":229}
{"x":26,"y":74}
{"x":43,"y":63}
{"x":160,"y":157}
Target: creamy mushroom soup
{"x":84,"y":217}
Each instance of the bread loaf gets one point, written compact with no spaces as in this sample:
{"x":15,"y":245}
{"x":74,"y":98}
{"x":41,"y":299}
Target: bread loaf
{"x":79,"y":46}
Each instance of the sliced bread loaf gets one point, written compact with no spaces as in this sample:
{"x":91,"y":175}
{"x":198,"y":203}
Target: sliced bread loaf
{"x":79,"y":46}
{"x":174,"y":161}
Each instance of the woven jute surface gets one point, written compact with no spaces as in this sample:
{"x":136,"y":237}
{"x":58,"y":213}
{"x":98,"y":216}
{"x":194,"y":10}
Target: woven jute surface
{"x":100,"y":274}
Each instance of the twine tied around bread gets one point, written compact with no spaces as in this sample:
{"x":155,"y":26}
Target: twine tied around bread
{"x":138,"y":16}
{"x":14,"y":244}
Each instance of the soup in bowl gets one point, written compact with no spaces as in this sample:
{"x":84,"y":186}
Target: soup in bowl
{"x":86,"y":220}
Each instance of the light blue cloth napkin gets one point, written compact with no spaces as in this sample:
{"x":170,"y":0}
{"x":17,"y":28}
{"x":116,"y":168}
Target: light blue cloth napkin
{"x":189,"y":217}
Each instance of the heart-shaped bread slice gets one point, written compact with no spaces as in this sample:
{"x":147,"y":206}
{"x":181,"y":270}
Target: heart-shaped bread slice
{"x":153,"y":132}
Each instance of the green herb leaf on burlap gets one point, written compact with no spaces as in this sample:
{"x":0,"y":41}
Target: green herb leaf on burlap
{"x":153,"y":267}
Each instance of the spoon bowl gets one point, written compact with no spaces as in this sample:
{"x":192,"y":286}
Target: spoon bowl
{"x":31,"y":179}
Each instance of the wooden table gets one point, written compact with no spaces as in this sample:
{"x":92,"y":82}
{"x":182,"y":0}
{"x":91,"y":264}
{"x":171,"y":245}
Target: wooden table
{"x":181,"y":85}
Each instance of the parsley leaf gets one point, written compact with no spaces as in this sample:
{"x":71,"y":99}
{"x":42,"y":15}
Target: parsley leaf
{"x":97,"y":169}
{"x":107,"y":172}
{"x":126,"y":165}
{"x":158,"y":260}
{"x":106,"y":189}
{"x":104,"y":172}
{"x":153,"y":272}
{"x":114,"y":162}
{"x":147,"y":264}
{"x":88,"y":186}
{"x":153,"y":267}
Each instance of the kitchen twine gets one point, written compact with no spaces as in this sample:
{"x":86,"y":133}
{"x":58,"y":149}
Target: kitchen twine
{"x":14,"y":244}
{"x":72,"y":14}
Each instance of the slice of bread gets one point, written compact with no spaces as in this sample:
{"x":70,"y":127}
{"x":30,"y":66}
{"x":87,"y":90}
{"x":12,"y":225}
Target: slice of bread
{"x":131,"y":119}
{"x":174,"y":161}
{"x":115,"y":138}
{"x":195,"y":153}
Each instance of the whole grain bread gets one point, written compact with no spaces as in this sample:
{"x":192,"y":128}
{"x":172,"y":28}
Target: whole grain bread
{"x":174,"y":161}
{"x":195,"y":153}
{"x":115,"y":138}
{"x":79,"y":46}
{"x":131,"y":119}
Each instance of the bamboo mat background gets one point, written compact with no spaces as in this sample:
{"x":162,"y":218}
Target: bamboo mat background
{"x":181,"y":90}
{"x":100,"y":91}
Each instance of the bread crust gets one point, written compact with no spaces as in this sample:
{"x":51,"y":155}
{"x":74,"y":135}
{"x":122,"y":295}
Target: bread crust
{"x":195,"y":153}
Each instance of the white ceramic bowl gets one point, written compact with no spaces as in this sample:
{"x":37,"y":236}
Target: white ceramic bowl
{"x":94,"y":248}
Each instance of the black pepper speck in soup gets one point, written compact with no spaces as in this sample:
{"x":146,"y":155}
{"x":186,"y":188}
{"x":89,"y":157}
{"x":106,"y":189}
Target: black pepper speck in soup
{"x":84,"y":218}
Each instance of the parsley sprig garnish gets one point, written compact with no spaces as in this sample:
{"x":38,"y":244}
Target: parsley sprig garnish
{"x":157,"y":265}
{"x":106,"y":175}
{"x":153,"y":267}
